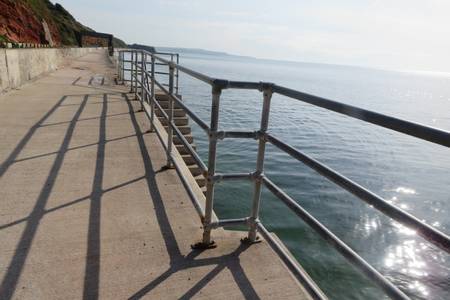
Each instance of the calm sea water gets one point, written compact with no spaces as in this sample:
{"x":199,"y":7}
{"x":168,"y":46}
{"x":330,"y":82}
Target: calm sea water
{"x":410,"y":173}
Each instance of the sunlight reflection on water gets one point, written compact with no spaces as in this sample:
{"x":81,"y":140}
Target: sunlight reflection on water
{"x":408,"y":259}
{"x":408,"y":173}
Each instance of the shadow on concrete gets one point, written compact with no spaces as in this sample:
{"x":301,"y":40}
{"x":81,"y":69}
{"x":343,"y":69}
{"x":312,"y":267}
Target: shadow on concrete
{"x":229,"y":261}
{"x":23,"y":142}
{"x":16,"y":264}
{"x":70,"y":203}
{"x":178,"y":262}
{"x":92,"y":267}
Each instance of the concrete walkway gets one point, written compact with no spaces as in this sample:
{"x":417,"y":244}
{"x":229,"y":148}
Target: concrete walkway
{"x":87,"y":212}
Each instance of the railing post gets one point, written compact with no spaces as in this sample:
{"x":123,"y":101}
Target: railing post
{"x":254,"y":216}
{"x":119,"y":72}
{"x":207,"y":242}
{"x":123,"y":67}
{"x":143,"y":94}
{"x":178,"y":74}
{"x":135,"y":74}
{"x":152,"y":96}
{"x":169,"y":127}
{"x":131,"y":71}
{"x":144,"y":76}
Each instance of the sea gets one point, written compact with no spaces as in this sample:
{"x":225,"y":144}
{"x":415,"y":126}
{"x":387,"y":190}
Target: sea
{"x":408,"y":172}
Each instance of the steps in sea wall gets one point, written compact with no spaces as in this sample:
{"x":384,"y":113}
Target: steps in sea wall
{"x":181,"y":120}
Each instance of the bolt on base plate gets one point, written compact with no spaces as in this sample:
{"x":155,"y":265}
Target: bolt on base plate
{"x":166,"y":167}
{"x":246,"y":240}
{"x":203,"y":246}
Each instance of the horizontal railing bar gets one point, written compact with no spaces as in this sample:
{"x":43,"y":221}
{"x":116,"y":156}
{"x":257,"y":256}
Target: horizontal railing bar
{"x":427,"y":133}
{"x":148,"y":74}
{"x":423,"y":132}
{"x":166,"y":53}
{"x":148,"y":52}
{"x":146,"y":89}
{"x":339,"y":245}
{"x":188,"y":71}
{"x":193,"y":116}
{"x":139,"y":67}
{"x":237,"y":134}
{"x":148,"y":63}
{"x":161,"y":87}
{"x":244,"y":85}
{"x":191,"y":150}
{"x":428,"y":232}
{"x":198,"y":207}
{"x":195,"y":74}
{"x":177,"y":131}
{"x":162,"y":59}
{"x":134,"y":76}
{"x":299,"y":273}
{"x":164,"y":114}
{"x":232,"y":176}
{"x":228,"y":222}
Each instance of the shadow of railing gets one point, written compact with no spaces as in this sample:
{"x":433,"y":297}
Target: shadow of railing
{"x":178,"y":262}
{"x":17,"y":262}
{"x":92,"y":268}
{"x":23,"y":142}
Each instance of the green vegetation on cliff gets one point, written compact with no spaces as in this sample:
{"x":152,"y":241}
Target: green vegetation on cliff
{"x":66,"y":24}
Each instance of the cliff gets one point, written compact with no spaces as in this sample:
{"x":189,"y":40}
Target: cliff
{"x":40,"y":22}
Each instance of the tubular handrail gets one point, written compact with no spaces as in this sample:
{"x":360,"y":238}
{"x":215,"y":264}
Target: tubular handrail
{"x":420,"y":131}
{"x":140,"y":74}
{"x":426,"y":231}
{"x":191,"y":114}
{"x":339,"y":245}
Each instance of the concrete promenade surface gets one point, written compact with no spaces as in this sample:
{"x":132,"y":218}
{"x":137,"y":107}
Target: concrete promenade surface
{"x":86,"y":210}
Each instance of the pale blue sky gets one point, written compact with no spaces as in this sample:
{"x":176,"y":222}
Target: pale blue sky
{"x":395,"y":34}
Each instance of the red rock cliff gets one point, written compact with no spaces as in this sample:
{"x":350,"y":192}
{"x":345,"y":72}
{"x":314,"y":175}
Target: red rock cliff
{"x":18,"y":23}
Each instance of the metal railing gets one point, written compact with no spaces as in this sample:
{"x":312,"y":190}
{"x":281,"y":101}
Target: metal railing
{"x":125,"y":65}
{"x":144,"y":85}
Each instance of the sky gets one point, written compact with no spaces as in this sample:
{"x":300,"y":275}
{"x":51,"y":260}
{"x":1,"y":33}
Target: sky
{"x":393,"y":34}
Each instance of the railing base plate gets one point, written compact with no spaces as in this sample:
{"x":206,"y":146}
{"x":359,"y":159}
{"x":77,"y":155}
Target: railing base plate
{"x":246,"y":240}
{"x":203,"y":246}
{"x":167,"y":167}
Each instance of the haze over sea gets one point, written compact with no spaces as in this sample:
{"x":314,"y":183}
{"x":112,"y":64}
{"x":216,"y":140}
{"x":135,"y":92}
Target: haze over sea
{"x":410,"y":173}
